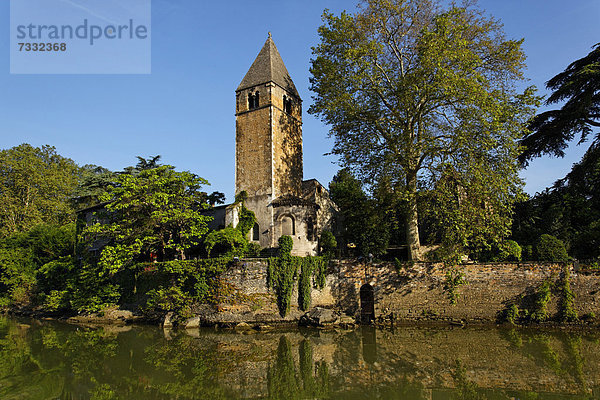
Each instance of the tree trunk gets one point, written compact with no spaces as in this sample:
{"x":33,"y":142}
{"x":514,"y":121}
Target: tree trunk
{"x":412,"y":220}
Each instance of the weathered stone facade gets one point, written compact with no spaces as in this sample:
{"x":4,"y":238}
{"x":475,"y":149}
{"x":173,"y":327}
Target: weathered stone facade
{"x":268,"y":159}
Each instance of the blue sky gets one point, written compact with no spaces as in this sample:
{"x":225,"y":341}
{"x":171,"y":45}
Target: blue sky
{"x":184,"y":109}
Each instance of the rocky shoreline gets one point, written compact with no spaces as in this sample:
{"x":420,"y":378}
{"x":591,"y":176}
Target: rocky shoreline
{"x":317,"y":317}
{"x":206,"y":316}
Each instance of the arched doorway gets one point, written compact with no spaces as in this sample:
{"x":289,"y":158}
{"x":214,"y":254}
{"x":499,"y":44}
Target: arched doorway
{"x":367,"y":304}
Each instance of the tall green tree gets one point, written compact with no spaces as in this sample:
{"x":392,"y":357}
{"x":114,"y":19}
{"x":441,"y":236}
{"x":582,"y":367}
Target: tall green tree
{"x":410,"y":91}
{"x":157,"y":210}
{"x":36,"y":185}
{"x":362,"y":224}
{"x":578,"y":86}
{"x":569,"y":210}
{"x":93,"y":182}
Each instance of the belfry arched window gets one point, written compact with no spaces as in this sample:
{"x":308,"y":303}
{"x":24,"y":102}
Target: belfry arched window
{"x":253,"y":100}
{"x":287,"y":104}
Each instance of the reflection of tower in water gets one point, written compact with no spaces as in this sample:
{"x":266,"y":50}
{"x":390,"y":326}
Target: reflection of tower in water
{"x":369,"y":344}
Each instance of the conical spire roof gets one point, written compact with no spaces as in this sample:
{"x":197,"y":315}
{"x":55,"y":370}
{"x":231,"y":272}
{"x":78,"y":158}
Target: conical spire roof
{"x":268,"y":67}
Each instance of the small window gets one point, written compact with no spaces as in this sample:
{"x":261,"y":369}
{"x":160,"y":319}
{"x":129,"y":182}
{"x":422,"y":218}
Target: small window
{"x":253,"y":100}
{"x":288,"y":226}
{"x":310,"y":229}
{"x":287,"y":104}
{"x":255,"y":232}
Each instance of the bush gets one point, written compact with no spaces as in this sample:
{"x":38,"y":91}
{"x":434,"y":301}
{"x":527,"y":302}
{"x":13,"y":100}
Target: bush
{"x":57,"y":300}
{"x":43,"y":248}
{"x":328,"y":244}
{"x":550,"y":248}
{"x":252,"y":250}
{"x":178,"y":285}
{"x":527,"y":253}
{"x":511,"y":314}
{"x":227,"y":242}
{"x":173,"y":298}
{"x":56,"y":274}
{"x":17,"y":275}
{"x":511,"y":251}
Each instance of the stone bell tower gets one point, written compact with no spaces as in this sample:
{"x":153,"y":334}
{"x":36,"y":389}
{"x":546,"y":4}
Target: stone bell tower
{"x":268,"y":153}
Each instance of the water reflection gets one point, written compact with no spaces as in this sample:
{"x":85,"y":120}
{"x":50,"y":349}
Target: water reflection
{"x":45,"y":360}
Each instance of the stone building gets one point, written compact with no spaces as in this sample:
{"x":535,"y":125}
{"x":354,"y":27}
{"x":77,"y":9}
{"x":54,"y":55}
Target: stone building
{"x":268,"y":159}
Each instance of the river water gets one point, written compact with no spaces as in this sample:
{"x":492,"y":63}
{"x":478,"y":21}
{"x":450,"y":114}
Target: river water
{"x":51,"y":360}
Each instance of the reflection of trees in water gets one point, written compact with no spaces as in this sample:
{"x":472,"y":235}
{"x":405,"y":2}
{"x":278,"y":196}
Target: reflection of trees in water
{"x":66,"y":362}
{"x":286,"y":382}
{"x":76,"y":363}
{"x":468,"y":390}
{"x":465,"y":389}
{"x":50,"y":364}
{"x":542,"y":348}
{"x":187,"y":370}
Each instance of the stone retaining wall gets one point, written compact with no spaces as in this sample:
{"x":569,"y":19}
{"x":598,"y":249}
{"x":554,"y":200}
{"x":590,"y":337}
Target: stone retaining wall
{"x":414,"y":292}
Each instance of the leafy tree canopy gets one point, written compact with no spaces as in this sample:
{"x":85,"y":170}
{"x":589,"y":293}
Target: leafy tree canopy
{"x":24,"y":255}
{"x":93,"y":182}
{"x":35,"y":187}
{"x":158,"y":211}
{"x":415,"y":94}
{"x":569,"y":210}
{"x":363,"y":226}
{"x":578,"y":86}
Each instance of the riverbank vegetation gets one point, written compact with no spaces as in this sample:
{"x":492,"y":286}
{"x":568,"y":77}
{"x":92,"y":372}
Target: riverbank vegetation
{"x":134,"y":245}
{"x":431,"y":138}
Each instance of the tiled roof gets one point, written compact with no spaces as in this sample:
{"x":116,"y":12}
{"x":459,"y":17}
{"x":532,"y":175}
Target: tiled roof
{"x":291,"y":200}
{"x":268,"y":67}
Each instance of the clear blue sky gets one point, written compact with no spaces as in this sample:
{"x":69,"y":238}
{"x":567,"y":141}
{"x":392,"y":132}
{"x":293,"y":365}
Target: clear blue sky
{"x":184,"y":110}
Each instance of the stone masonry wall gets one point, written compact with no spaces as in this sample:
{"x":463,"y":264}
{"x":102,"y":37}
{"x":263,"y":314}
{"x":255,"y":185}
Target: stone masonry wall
{"x":287,"y":145}
{"x":417,"y":292}
{"x":411,"y":294}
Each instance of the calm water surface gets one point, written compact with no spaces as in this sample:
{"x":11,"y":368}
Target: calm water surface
{"x":49,"y":360}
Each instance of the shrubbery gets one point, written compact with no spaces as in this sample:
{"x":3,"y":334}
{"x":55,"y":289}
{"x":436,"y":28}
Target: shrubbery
{"x":26,"y":257}
{"x":511,"y":251}
{"x":550,"y":248}
{"x":328,"y":244}
{"x":227,"y":242}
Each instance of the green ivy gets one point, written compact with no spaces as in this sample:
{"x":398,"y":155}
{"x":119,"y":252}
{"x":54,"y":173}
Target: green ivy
{"x":283,"y":271}
{"x":567,"y":309}
{"x":247,"y":221}
{"x":454,"y":280}
{"x":511,"y":314}
{"x":177,"y":285}
{"x":538,"y":311}
{"x":542,"y":298}
{"x":310,"y":267}
{"x":247,"y":217}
